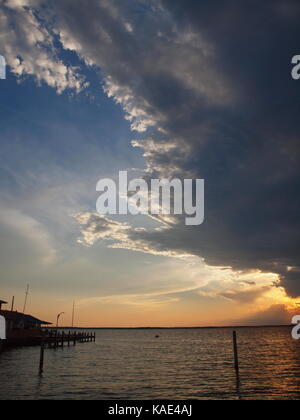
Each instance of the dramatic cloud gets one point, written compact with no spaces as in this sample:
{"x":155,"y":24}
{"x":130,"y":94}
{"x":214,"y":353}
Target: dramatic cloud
{"x":231,"y":122}
{"x":210,"y":86}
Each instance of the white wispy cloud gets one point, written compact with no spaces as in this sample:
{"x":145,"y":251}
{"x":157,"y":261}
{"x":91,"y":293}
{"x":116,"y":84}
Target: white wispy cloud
{"x":24,"y":239}
{"x":96,"y":227}
{"x":29,"y":50}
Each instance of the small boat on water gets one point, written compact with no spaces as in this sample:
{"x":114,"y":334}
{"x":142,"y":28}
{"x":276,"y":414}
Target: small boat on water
{"x":21,"y":329}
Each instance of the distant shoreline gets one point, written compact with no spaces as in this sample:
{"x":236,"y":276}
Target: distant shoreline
{"x":174,"y":328}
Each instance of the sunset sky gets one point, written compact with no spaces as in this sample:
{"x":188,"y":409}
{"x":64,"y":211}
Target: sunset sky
{"x":160,"y":88}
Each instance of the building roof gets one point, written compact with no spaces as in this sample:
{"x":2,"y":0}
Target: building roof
{"x":17,"y":316}
{"x":3,"y":302}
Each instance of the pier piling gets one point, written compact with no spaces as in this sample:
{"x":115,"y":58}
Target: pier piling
{"x":236,"y":356}
{"x":55,"y":339}
{"x":42,"y":353}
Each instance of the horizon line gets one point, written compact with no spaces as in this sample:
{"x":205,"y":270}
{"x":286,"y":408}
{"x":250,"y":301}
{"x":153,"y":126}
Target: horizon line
{"x":174,"y":328}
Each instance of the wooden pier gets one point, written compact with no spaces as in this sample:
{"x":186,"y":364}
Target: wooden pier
{"x":54,"y":339}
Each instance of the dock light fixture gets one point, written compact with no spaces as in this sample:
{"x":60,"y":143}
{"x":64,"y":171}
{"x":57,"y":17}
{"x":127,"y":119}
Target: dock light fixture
{"x":57,"y":319}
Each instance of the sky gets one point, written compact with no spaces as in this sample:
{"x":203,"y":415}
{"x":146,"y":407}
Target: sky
{"x":162,"y":89}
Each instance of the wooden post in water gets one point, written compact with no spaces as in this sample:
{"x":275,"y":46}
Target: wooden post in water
{"x":74,"y":337}
{"x":41,"y":369}
{"x":62,"y":339}
{"x":236,"y":356}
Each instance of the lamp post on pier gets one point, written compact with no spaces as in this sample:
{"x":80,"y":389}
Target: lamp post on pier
{"x":57,"y":319}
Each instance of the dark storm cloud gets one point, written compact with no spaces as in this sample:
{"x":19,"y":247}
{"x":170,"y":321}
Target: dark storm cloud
{"x":212,"y":83}
{"x":251,"y":158}
{"x":218,"y":84}
{"x":290,"y":280}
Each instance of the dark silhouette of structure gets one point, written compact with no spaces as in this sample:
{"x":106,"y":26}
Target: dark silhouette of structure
{"x":22,"y":329}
